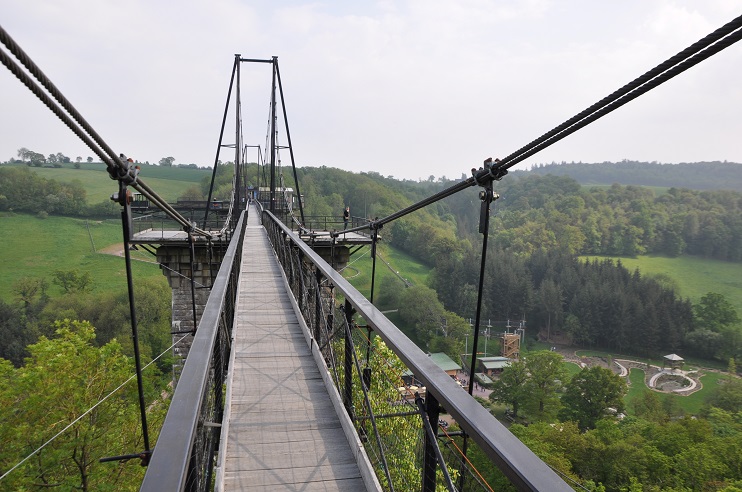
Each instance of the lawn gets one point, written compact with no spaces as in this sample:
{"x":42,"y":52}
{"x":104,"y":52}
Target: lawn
{"x":31,"y":248}
{"x":637,"y":387}
{"x":690,"y":404}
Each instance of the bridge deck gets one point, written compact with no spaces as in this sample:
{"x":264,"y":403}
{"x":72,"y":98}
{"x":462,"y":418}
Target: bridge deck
{"x":282,"y":432}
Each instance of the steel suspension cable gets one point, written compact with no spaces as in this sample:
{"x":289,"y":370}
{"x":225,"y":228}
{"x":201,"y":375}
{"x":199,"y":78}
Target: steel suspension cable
{"x":718,"y":40}
{"x":72,"y":118}
{"x":713,"y":43}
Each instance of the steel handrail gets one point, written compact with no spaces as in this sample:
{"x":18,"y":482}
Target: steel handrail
{"x":519,"y":464}
{"x":172,"y":463}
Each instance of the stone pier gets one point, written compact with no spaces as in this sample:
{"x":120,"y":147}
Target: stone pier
{"x":175,"y":263}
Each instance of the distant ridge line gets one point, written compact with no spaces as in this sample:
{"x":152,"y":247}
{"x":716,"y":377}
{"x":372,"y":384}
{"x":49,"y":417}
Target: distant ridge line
{"x":710,"y":175}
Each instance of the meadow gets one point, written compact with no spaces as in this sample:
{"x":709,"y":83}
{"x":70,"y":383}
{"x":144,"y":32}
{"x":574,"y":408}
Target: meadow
{"x":168,"y":182}
{"x":360,"y":267}
{"x":36,"y":247}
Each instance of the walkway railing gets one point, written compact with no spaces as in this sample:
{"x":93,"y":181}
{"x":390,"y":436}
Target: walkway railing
{"x":329,"y":223}
{"x":183,"y":458}
{"x":390,"y":418}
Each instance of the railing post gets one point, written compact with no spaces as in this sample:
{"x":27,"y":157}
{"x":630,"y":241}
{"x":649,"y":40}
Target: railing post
{"x":348,"y":393}
{"x":429,"y":459}
{"x":300,"y":260}
{"x":318,"y":307}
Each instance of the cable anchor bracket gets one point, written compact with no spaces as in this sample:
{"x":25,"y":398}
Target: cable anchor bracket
{"x":491,"y":171}
{"x":126,"y":172}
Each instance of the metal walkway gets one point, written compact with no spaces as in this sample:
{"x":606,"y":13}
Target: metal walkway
{"x":280,"y":429}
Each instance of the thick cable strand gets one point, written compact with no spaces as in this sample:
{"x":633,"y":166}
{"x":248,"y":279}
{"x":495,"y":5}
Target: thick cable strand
{"x":74,"y":120}
{"x":27,"y":62}
{"x":691,"y":56}
{"x":661,"y":79}
{"x":26,"y":80}
{"x":695,"y":48}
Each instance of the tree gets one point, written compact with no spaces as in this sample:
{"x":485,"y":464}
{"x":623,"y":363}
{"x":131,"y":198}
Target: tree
{"x":511,"y":387}
{"x":550,"y":302}
{"x":589,"y":395}
{"x":714,"y":312}
{"x":546,"y":376}
{"x":72,"y":280}
{"x":167,"y":161}
{"x":421,"y":309}
{"x":192,"y":193}
{"x":89,"y":159}
{"x":36,"y":159}
{"x":648,"y":406}
{"x":24,"y":153}
{"x":728,"y":395}
{"x":27,"y":288}
{"x":64,"y":377}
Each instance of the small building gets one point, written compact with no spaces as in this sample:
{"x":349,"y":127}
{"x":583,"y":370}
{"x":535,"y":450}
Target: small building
{"x":491,"y":366}
{"x":674,"y":361}
{"x":441,"y":360}
{"x":446,"y":363}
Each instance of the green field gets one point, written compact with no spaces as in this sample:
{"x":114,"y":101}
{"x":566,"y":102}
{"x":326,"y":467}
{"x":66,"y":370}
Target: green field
{"x":693,"y":276}
{"x":34,"y":247}
{"x":168,"y":182}
{"x":359,"y":269}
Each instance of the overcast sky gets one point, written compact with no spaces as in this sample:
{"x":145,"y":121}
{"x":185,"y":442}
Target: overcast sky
{"x":404,"y":88}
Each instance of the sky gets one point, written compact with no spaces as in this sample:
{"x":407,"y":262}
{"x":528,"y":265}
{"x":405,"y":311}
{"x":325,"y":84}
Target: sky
{"x":409,"y":88}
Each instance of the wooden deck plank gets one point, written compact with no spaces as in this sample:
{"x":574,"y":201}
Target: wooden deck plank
{"x":283,"y":432}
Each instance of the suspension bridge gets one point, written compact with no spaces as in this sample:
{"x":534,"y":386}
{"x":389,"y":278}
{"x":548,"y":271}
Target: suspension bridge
{"x":287,"y":377}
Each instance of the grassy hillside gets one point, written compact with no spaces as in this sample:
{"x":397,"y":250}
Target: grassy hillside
{"x":168,"y":182}
{"x":33,"y":247}
{"x":694,"y":277}
{"x":359,"y":270}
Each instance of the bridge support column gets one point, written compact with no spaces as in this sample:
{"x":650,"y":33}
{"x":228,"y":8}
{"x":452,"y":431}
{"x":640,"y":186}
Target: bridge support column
{"x":337,"y":256}
{"x":175,"y":263}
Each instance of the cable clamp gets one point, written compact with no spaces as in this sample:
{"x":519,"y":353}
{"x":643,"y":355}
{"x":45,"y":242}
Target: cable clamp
{"x":127,"y":173}
{"x":490,"y":172}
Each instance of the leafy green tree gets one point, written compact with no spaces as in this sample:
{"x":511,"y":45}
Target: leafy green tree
{"x":16,"y":332}
{"x":421,"y":309}
{"x":728,"y":395}
{"x":72,"y":280}
{"x":192,"y":193}
{"x":589,"y":395}
{"x":714,"y":311}
{"x":550,"y":302}
{"x":648,"y":406}
{"x":546,"y":377}
{"x":63,"y":378}
{"x":511,"y":387}
{"x":167,"y":161}
{"x":28,"y":288}
{"x":24,"y":153}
